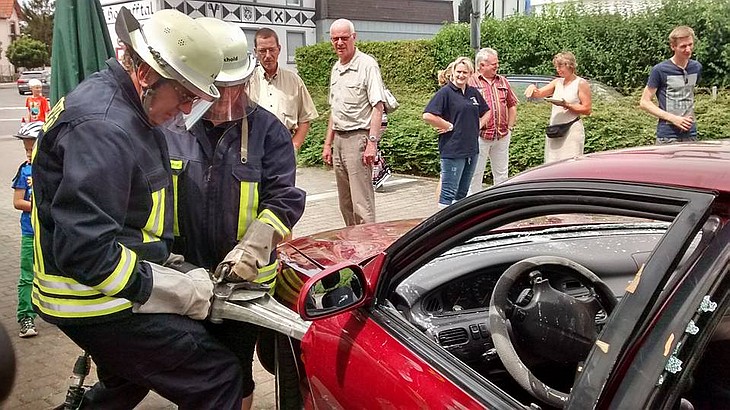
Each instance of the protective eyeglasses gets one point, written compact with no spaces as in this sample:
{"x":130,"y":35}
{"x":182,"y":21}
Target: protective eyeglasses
{"x":341,"y":38}
{"x":183,"y":95}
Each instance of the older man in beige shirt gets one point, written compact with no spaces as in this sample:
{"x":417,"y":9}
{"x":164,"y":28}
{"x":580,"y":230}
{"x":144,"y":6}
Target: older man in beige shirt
{"x":279,"y":90}
{"x":356,"y":100}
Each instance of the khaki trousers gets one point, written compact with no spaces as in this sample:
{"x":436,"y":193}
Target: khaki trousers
{"x":354,"y":178}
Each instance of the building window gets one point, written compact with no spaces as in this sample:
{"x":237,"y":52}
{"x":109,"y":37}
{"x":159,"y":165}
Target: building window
{"x":294,"y":3}
{"x":294,"y":40}
{"x":250,"y":35}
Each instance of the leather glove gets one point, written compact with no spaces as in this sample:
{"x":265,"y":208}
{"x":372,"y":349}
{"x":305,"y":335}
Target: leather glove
{"x":179,"y":263}
{"x":251,"y":253}
{"x":185,"y":294}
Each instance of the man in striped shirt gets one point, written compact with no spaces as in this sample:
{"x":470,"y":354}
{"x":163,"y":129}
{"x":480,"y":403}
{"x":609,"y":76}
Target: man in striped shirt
{"x":502,"y":101}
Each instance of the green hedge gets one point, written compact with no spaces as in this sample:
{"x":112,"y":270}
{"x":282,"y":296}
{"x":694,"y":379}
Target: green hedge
{"x":615,"y":49}
{"x":410,"y":63}
{"x":410,"y":146}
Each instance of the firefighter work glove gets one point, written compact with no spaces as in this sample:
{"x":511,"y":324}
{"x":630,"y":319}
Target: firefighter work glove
{"x":251,"y":253}
{"x":179,"y":263}
{"x":180,"y":293}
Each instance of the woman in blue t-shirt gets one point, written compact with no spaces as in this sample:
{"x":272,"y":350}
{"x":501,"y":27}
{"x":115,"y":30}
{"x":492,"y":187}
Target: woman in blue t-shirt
{"x":457,"y":111}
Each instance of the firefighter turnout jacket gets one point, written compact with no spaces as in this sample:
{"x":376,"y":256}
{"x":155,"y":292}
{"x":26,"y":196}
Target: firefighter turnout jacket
{"x":101,"y":177}
{"x":217,"y":194}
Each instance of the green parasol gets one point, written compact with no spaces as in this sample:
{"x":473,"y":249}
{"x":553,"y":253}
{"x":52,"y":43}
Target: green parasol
{"x":81,"y":44}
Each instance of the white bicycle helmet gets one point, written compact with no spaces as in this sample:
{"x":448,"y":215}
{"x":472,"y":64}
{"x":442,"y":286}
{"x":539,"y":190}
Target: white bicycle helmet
{"x":176,"y":47}
{"x":29,"y":130}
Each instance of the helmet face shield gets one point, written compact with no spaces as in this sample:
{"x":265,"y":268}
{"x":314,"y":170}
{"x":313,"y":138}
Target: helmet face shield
{"x":232,"y":105}
{"x":184,"y":122}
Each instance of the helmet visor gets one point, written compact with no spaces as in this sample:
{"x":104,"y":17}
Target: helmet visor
{"x":182,"y":122}
{"x":231,"y":106}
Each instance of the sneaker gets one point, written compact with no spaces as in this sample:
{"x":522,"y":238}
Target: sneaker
{"x":27,"y":327}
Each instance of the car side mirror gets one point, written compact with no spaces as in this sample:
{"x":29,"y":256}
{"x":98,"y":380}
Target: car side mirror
{"x":332,"y":291}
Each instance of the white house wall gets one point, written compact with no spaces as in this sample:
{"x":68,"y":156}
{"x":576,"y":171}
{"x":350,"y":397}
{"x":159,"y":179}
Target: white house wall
{"x":382,"y":30}
{"x":7,"y":70}
{"x":292,"y":20}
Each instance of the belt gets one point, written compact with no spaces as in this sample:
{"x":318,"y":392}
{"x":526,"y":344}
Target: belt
{"x":365,"y":130}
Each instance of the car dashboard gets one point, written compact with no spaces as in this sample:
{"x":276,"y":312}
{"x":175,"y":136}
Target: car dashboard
{"x":448,"y":298}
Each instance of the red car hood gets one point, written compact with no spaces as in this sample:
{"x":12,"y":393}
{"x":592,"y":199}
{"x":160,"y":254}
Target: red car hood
{"x":351,"y":244}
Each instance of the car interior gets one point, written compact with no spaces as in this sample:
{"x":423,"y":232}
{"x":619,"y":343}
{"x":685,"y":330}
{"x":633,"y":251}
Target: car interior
{"x":449,"y":297}
{"x":508,"y":301}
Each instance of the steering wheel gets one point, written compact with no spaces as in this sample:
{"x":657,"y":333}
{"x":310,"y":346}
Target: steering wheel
{"x":554,"y":325}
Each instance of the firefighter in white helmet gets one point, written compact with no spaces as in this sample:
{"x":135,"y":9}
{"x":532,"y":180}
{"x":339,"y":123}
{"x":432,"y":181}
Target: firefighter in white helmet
{"x":103,"y":224}
{"x":235,"y":188}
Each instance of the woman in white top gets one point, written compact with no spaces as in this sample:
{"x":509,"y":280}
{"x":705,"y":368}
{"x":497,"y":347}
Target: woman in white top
{"x":571,"y":99}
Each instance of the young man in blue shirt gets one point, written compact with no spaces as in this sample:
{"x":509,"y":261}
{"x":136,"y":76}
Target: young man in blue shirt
{"x":673,"y":82}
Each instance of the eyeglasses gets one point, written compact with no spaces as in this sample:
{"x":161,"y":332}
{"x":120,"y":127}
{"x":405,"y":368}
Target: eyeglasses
{"x":264,"y":51}
{"x":183,"y":95}
{"x":341,"y":38}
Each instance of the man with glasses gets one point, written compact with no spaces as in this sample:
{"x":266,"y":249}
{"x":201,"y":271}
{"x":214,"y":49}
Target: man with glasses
{"x":356,"y":99}
{"x":102,"y":198}
{"x":281,"y":91}
{"x":673,"y":82}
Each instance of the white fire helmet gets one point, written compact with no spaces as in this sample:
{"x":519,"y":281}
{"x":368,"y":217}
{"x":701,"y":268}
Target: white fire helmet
{"x":176,"y":47}
{"x":238,"y":62}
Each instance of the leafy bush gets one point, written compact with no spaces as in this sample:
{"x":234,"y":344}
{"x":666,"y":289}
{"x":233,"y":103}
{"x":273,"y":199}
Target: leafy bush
{"x":410,"y":146}
{"x":406,"y":62}
{"x":616,"y":49}
{"x":610,"y":47}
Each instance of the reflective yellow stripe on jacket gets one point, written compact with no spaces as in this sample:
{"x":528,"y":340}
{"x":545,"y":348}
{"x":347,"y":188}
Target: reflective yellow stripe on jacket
{"x":248,"y":205}
{"x":60,"y":296}
{"x":152,"y":231}
{"x":269,"y":218}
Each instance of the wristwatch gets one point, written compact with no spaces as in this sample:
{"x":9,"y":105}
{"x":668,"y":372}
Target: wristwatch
{"x":373,"y":138}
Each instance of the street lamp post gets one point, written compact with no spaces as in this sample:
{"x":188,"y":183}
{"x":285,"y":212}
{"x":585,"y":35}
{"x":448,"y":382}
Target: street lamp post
{"x":476,"y":12}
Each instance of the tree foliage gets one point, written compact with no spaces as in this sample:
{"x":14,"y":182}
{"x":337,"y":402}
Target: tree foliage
{"x":39,"y":22}
{"x":617,"y":49}
{"x":27,"y":52}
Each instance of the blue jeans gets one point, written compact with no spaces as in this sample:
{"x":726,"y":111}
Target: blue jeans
{"x":456,"y":176}
{"x":674,"y":140}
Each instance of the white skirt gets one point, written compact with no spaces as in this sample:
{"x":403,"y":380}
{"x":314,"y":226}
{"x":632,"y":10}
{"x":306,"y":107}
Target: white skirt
{"x":569,"y":146}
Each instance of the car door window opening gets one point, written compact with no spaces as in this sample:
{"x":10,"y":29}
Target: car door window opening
{"x":613,"y":236}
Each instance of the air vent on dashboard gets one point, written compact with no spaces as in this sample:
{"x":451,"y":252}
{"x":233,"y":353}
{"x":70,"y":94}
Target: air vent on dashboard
{"x":453,"y":337}
{"x":433,"y":305}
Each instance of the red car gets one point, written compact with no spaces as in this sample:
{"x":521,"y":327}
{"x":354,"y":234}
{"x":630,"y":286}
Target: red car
{"x":597,"y":282}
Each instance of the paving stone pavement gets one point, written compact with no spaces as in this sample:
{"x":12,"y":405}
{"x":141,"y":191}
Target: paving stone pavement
{"x":45,"y":361}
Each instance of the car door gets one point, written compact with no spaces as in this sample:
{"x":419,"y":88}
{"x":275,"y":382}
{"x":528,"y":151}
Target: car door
{"x":370,"y":356}
{"x":680,"y":348}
